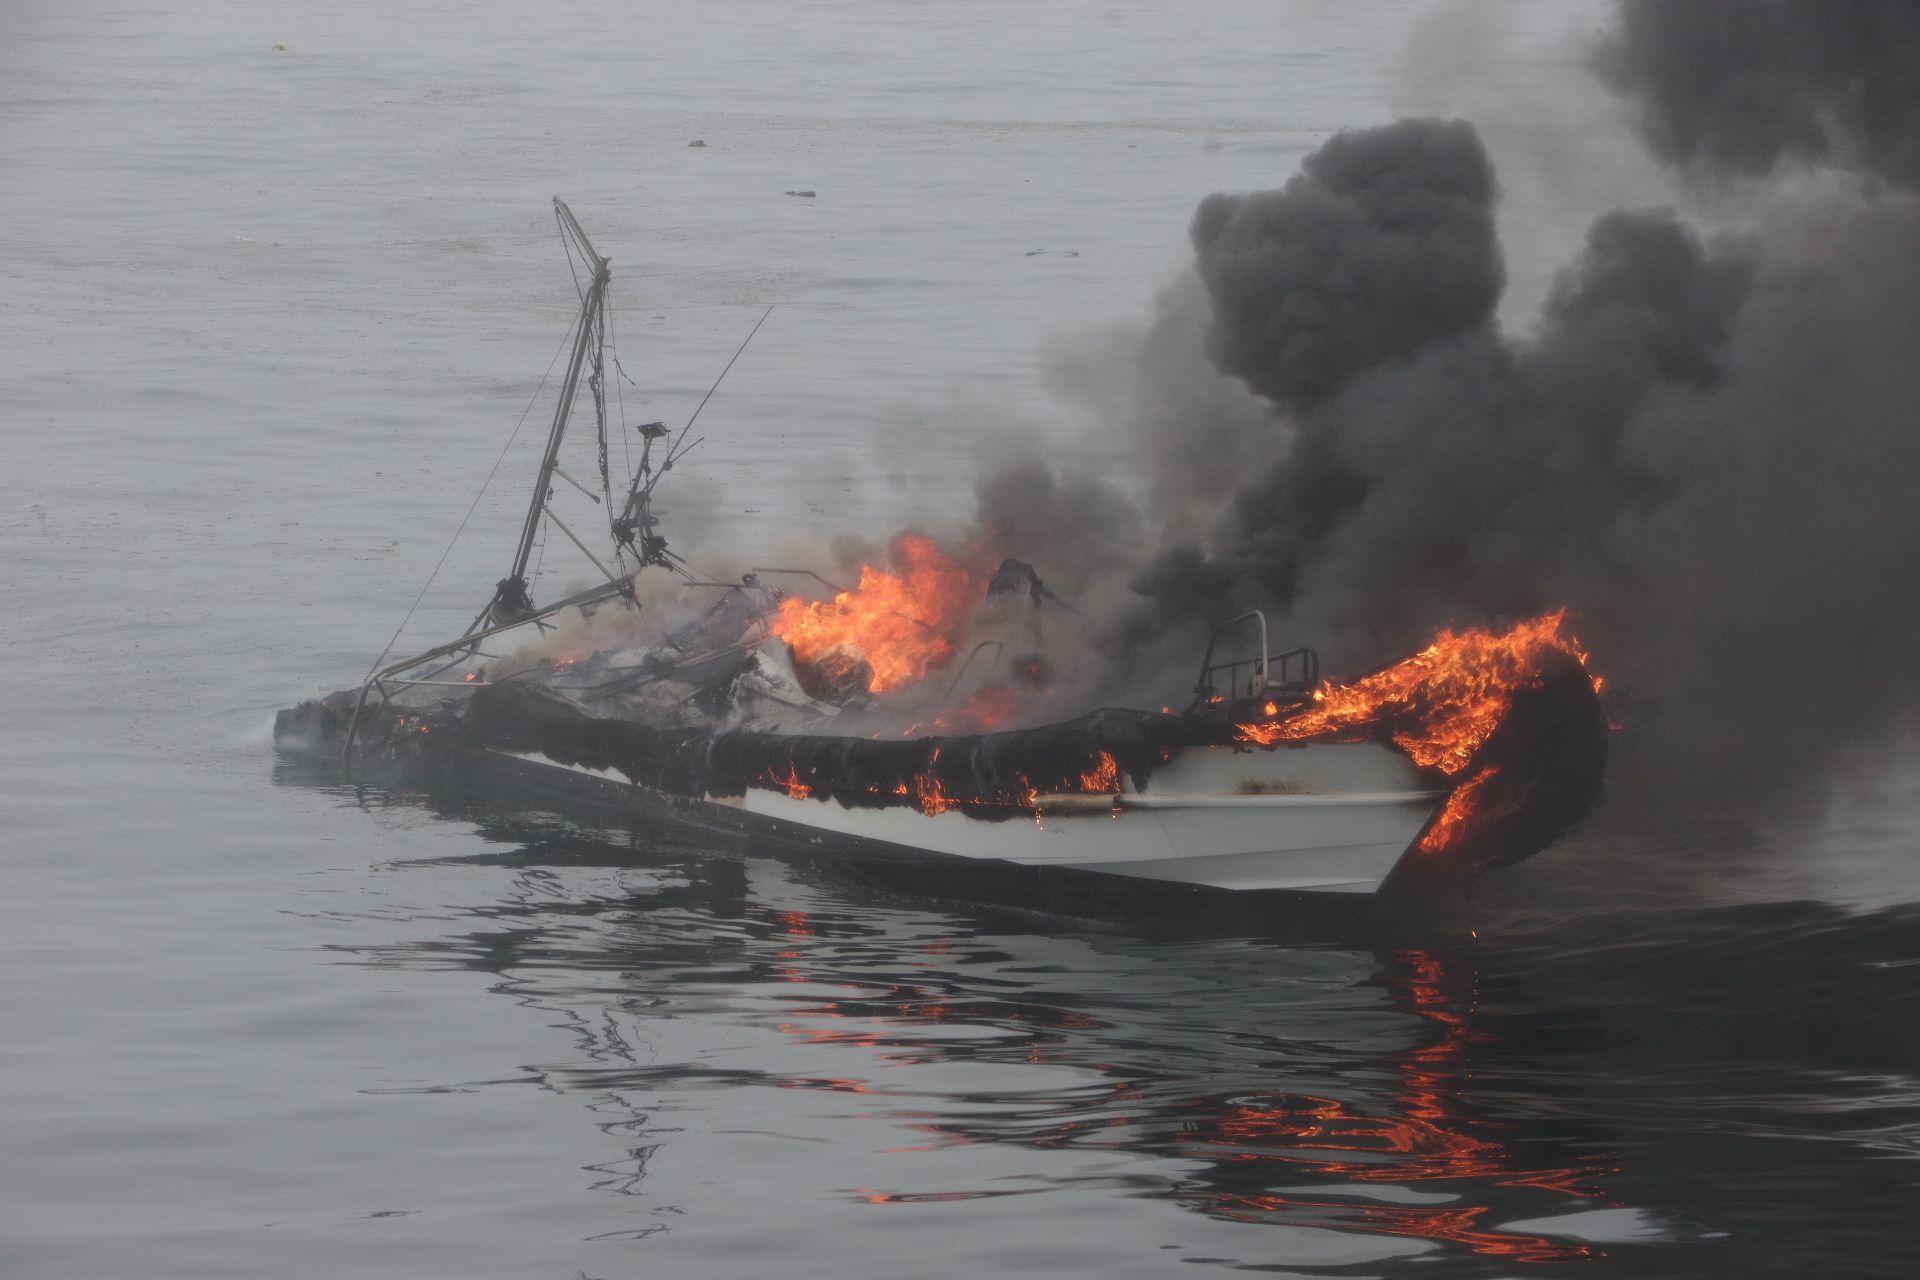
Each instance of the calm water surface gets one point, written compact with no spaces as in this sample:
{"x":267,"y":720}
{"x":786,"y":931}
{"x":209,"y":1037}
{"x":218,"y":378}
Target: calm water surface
{"x":267,"y":320}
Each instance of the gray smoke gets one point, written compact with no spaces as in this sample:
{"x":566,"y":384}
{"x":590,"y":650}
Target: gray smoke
{"x":1708,"y":447}
{"x":1382,"y":243}
{"x":1748,"y":87}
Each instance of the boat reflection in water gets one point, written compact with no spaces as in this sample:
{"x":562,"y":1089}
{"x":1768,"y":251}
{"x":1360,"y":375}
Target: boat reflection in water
{"x":1253,"y":1081}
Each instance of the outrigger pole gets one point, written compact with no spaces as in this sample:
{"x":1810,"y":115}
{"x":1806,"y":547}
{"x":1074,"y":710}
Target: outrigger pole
{"x":633,"y":529}
{"x":511,"y":601}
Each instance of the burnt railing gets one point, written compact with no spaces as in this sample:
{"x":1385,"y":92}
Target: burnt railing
{"x":1291,"y":673}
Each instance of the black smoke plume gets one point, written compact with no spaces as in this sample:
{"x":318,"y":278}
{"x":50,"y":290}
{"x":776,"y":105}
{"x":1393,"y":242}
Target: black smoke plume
{"x":1382,"y":243}
{"x":1708,"y":446}
{"x":1749,"y":87}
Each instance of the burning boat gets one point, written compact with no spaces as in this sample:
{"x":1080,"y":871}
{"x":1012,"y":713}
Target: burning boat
{"x":868,"y":720}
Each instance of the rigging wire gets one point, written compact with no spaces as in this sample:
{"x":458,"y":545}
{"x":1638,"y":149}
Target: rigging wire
{"x":540,"y":557}
{"x":675,"y":449}
{"x":475,"y":504}
{"x":619,"y":400}
{"x":680,"y":565}
{"x":676,"y":564}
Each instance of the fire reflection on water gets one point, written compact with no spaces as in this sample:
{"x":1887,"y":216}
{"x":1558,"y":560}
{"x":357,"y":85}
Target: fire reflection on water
{"x":1429,"y":1137}
{"x":1249,"y":1082}
{"x":1425,"y":1139}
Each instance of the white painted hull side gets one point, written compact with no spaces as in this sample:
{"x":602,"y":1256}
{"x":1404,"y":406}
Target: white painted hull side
{"x":1332,"y":818}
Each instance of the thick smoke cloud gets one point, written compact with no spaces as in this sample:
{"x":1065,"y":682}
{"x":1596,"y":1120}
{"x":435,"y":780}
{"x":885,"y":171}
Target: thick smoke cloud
{"x":1382,"y":242}
{"x":1707,"y":447}
{"x":1468,"y":476}
{"x":1746,"y":87}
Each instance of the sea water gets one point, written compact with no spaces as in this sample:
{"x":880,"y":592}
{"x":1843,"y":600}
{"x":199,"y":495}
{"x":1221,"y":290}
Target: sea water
{"x":268,"y":317}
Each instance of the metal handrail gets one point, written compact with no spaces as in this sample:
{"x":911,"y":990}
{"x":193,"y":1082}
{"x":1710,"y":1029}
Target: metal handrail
{"x":1307,"y":660}
{"x":1262,"y":664}
{"x":1203,"y":687}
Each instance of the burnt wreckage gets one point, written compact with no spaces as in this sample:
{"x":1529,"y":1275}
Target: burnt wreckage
{"x":807,"y":722}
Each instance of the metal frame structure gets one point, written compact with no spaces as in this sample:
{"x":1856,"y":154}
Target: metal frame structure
{"x":1260,"y":680}
{"x":512,"y":606}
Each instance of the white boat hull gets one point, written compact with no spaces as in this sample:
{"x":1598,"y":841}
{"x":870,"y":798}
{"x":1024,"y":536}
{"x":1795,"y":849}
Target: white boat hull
{"x":1324,"y":818}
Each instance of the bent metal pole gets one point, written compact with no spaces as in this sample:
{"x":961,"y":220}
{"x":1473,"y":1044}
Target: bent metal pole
{"x":589,"y":333}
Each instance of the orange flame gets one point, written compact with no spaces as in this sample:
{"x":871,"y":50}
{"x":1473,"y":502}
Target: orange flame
{"x":1448,"y":829}
{"x":901,"y":620}
{"x":930,"y":795}
{"x":1444,"y":701}
{"x":927,"y":792}
{"x":796,"y":789}
{"x":1103,"y":777}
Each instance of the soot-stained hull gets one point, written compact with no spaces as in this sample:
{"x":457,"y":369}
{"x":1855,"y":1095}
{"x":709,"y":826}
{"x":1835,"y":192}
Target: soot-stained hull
{"x":1236,"y":837}
{"x":1183,"y":802}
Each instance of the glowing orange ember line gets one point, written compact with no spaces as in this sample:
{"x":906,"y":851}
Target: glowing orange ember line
{"x":900,"y":619}
{"x":1442,"y":702}
{"x":1462,"y":805}
{"x":796,"y":789}
{"x":1103,"y":777}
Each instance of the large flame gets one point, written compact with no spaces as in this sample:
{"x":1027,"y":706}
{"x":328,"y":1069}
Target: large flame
{"x":1439,"y":706}
{"x":1442,"y":702}
{"x":900,"y":619}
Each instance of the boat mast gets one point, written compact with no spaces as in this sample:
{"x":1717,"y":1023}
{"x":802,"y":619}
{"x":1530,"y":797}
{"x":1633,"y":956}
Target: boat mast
{"x":510,"y":598}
